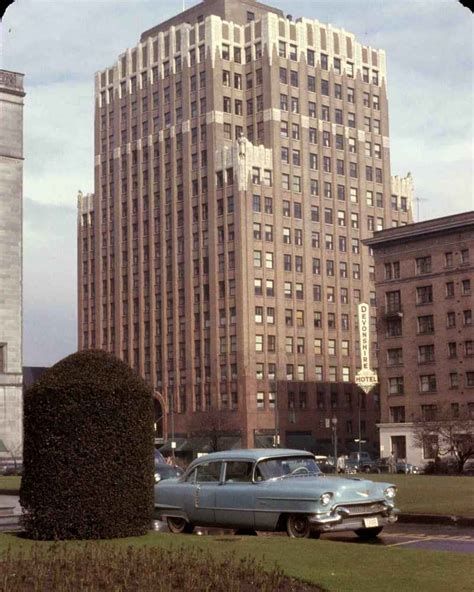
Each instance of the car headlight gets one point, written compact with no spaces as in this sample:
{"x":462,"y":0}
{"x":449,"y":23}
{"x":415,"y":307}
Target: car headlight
{"x":390,"y":492}
{"x":157,"y":478}
{"x":325,"y":498}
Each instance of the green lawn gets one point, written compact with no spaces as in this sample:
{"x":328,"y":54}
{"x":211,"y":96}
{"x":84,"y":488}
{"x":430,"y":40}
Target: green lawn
{"x":10,"y":485}
{"x":418,"y":494}
{"x":338,"y":567}
{"x":432,"y":494}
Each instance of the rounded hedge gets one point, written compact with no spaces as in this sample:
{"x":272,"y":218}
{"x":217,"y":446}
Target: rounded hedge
{"x":88,"y":451}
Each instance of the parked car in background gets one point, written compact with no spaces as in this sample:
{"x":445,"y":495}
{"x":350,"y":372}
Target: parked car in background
{"x":401,"y":467}
{"x":159,"y":458}
{"x":272,"y":490}
{"x":165,"y":471}
{"x":361,"y":462}
{"x":11,"y":467}
{"x":325,"y":463}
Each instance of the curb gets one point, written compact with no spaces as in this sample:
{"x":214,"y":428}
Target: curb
{"x":13,"y":492}
{"x":462,"y":521}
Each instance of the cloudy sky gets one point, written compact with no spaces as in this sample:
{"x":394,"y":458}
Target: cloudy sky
{"x":60,"y":44}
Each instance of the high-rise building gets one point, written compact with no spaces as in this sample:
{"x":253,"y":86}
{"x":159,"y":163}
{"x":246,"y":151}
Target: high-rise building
{"x":240,"y":160}
{"x":424,"y":282}
{"x":11,"y":253}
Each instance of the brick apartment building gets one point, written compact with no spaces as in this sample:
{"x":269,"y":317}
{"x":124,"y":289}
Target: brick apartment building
{"x":424,"y":283}
{"x":240,"y":160}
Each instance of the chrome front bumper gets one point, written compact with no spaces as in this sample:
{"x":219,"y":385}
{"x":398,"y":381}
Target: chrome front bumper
{"x":347,"y":518}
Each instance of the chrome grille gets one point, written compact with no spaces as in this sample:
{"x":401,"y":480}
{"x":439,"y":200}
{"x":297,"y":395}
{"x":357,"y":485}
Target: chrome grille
{"x":359,"y":509}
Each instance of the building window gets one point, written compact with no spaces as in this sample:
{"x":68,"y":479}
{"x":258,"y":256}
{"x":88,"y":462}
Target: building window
{"x":466,"y":287}
{"x":448,"y":259}
{"x":259,"y":343}
{"x":452,"y":349}
{"x":394,"y":328}
{"x":260,"y":400}
{"x":464,"y":256}
{"x":428,"y":383}
{"x":395,"y":357}
{"x":453,"y":380}
{"x":450,"y":320}
{"x":423,"y":264}
{"x":425,"y":325}
{"x":469,"y":379}
{"x":449,"y":289}
{"x":426,"y":354}
{"x":430,"y":443}
{"x":397,"y":414}
{"x":467,"y":317}
{"x":424,"y":295}
{"x":396,"y":385}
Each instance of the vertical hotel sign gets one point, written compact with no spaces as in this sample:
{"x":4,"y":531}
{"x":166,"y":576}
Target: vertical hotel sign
{"x":366,"y":378}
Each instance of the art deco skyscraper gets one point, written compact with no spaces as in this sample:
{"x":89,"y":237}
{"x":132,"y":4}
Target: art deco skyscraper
{"x":11,"y":256}
{"x":241,"y":158}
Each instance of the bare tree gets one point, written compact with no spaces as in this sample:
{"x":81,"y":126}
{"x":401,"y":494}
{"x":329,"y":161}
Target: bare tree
{"x":448,"y":433}
{"x":211,"y":425}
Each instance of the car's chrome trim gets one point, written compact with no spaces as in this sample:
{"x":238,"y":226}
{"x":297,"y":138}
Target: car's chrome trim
{"x":289,"y":499}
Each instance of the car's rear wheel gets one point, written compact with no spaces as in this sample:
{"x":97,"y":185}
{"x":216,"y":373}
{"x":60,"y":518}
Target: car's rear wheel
{"x":179,"y":526}
{"x":298,"y":526}
{"x":366,"y":534}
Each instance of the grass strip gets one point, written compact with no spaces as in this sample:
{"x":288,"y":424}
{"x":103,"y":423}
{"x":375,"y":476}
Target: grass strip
{"x":336,"y":566}
{"x":432,"y":494}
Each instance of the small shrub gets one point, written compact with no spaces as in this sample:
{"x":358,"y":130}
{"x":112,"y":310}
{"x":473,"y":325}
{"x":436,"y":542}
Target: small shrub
{"x":88,"y":451}
{"x":95,"y":567}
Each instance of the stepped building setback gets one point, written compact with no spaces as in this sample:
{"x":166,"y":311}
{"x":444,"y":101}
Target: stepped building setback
{"x":241,"y":158}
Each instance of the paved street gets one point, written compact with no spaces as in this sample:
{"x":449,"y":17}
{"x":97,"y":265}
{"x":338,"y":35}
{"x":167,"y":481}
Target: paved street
{"x":414,"y":536}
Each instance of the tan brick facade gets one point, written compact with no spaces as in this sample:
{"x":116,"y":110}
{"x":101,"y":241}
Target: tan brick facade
{"x":239,"y":165}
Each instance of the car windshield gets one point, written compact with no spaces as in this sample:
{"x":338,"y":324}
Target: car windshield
{"x":292,"y":466}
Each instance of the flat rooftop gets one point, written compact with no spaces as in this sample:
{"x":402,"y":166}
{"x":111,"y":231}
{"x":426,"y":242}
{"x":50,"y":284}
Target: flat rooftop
{"x":421,"y":230}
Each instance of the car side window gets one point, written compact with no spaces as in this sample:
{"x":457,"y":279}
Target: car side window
{"x":238,"y":472}
{"x":208,"y":472}
{"x":190,"y":478}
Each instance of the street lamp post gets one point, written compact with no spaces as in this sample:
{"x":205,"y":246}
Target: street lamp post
{"x":334,"y":432}
{"x":171,"y":407}
{"x":277,"y":423}
{"x":360,"y":432}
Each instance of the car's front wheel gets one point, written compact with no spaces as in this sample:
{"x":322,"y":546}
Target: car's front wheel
{"x":366,"y":534}
{"x":179,"y":526}
{"x":299,"y":527}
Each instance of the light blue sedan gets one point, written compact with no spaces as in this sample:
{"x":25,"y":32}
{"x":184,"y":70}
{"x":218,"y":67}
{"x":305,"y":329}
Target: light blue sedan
{"x":272,"y":490}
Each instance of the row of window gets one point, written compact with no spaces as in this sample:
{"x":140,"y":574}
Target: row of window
{"x":426,"y":325}
{"x":426,"y":353}
{"x":424,"y":294}
{"x":293,"y":156}
{"x":427,"y":383}
{"x":430,"y":413}
{"x":317,"y":322}
{"x":424,"y":264}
